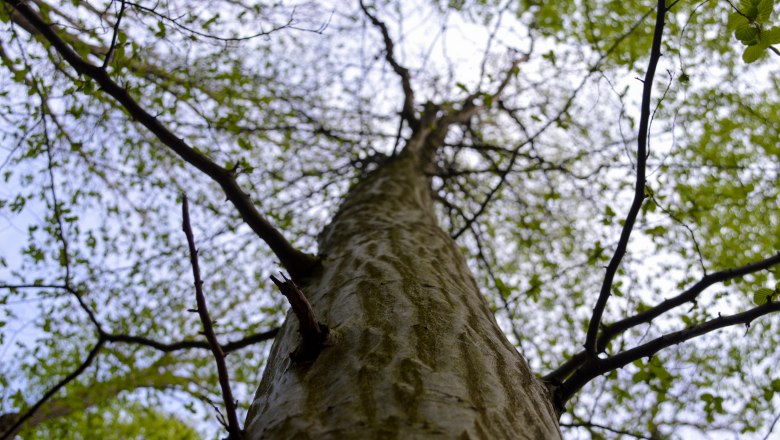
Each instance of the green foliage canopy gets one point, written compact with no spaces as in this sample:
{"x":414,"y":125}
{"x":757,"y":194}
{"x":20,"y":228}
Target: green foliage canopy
{"x":298,"y":102}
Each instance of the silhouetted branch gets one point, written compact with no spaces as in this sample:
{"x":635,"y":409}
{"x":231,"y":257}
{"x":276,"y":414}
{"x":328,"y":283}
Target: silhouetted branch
{"x":590,"y":425}
{"x":115,"y":34}
{"x":772,"y":426}
{"x":296,"y":262}
{"x":234,"y":429}
{"x":161,"y":346}
{"x":594,"y":367}
{"x":611,"y":331}
{"x":407,"y":112}
{"x":187,"y":345}
{"x":639,"y":189}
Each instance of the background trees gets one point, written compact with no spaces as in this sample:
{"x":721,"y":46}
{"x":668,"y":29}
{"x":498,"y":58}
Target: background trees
{"x":298,"y":101}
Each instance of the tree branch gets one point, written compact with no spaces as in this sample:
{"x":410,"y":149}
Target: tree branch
{"x":161,"y":346}
{"x":313,"y":332}
{"x":613,"y":330}
{"x":96,"y":394}
{"x":589,"y":426}
{"x":469,"y":109}
{"x":115,"y":34}
{"x":407,"y":111}
{"x":594,"y":367}
{"x":297,"y":263}
{"x":187,"y":345}
{"x":10,"y":432}
{"x":233,"y":427}
{"x":639,"y":190}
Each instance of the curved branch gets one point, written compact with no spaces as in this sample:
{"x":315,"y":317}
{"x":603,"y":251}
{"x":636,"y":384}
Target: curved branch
{"x":639,"y":189}
{"x":187,"y":345}
{"x":407,"y":112}
{"x":594,"y":367}
{"x":297,"y":263}
{"x":613,"y":330}
{"x":10,"y":432}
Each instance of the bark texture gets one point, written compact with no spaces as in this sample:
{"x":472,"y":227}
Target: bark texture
{"x":415,"y":351}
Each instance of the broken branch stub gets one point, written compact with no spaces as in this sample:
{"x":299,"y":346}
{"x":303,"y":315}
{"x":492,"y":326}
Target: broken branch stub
{"x":314,"y":334}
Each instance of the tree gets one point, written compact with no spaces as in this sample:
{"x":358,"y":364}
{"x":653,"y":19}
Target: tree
{"x":609,"y":222}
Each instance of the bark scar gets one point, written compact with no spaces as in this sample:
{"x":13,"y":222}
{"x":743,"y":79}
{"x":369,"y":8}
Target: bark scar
{"x":314,"y":334}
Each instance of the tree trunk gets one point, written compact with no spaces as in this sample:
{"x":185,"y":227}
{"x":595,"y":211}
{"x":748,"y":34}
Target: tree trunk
{"x":415,"y":351}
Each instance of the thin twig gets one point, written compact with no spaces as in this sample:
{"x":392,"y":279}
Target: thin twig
{"x":262,"y":33}
{"x":234,"y":429}
{"x":772,"y":426}
{"x":407,"y":111}
{"x":112,"y":47}
{"x":589,"y":425}
{"x":157,"y":345}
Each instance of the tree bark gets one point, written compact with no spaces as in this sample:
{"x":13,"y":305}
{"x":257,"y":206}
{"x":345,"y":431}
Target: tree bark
{"x":414,"y":350}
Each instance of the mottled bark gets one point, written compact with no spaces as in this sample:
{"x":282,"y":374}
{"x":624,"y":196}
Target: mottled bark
{"x":414,"y":350}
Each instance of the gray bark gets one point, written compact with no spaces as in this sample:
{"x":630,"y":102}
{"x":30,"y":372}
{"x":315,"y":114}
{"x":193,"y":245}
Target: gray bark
{"x":415,"y":351}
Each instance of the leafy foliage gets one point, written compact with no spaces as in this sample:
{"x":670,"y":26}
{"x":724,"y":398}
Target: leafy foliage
{"x":751,"y":24}
{"x":536,"y":189}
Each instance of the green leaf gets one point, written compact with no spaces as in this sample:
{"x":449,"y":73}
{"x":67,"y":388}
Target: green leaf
{"x":776,"y":385}
{"x":161,"y":31}
{"x":765,"y":10}
{"x":752,"y":53}
{"x":244,"y":144}
{"x":762,"y":295}
{"x":737,"y":20}
{"x":771,"y":36}
{"x":488,"y":99}
{"x":747,"y":34}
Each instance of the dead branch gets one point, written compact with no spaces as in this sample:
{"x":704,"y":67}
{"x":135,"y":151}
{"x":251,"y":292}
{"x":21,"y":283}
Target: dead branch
{"x":234,"y":429}
{"x":313,"y":332}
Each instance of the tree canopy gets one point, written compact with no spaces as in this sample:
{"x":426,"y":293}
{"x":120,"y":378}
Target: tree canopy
{"x":265,"y":113}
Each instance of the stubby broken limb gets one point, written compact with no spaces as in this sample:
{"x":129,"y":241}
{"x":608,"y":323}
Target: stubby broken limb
{"x":314,"y":334}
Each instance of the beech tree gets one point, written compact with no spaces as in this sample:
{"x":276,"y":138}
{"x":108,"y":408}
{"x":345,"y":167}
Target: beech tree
{"x":464,"y":219}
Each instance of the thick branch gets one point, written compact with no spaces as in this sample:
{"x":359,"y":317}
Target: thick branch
{"x":297,"y":263}
{"x":595,"y":367}
{"x":234,"y":429}
{"x":639,"y":190}
{"x":690,"y":295}
{"x":407,"y":112}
